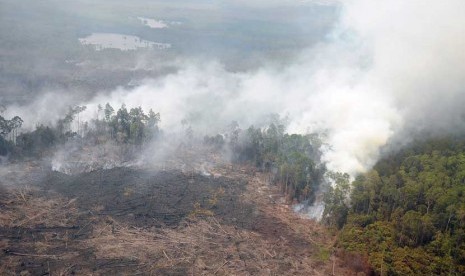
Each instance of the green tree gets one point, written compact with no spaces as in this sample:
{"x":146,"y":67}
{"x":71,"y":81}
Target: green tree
{"x":336,"y":200}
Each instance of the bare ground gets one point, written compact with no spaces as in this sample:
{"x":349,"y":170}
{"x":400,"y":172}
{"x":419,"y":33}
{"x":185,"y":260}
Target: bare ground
{"x":127,"y":221}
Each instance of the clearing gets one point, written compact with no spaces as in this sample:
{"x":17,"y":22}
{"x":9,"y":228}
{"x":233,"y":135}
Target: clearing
{"x":140,"y":221}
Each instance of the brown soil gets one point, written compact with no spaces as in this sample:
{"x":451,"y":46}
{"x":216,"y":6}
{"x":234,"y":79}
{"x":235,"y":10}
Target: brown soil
{"x":127,"y":221}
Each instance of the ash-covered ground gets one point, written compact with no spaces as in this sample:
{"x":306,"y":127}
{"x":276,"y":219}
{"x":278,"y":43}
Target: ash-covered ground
{"x":205,"y":218}
{"x":146,"y":198}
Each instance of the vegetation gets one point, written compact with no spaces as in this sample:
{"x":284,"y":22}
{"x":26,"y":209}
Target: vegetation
{"x":293,"y":159}
{"x":130,"y":127}
{"x":10,"y":127}
{"x":407,"y":215}
{"x":8,"y":132}
{"x":133,"y":127}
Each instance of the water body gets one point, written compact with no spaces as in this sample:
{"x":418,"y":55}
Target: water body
{"x":153,"y":23}
{"x":122,"y":42}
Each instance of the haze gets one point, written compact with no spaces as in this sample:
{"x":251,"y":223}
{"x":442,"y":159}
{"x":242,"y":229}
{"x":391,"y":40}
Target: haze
{"x":348,"y":69}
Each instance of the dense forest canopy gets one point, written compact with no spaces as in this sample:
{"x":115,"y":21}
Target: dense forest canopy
{"x":407,"y":214}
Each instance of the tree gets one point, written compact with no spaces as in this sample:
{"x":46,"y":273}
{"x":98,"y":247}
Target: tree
{"x":419,"y":192}
{"x":78,"y":109}
{"x":14,"y":125}
{"x":152,"y":124}
{"x":122,"y":124}
{"x":10,"y":127}
{"x":138,"y":121}
{"x":64,"y":125}
{"x":108,"y":111}
{"x":337,"y":199}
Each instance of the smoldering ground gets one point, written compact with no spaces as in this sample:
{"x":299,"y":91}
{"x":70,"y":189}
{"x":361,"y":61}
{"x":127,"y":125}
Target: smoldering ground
{"x":386,"y":72}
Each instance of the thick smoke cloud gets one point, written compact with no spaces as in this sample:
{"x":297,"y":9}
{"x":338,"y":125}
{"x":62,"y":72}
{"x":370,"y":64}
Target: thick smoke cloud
{"x":389,"y":68}
{"x":357,"y":120}
{"x":417,"y":55}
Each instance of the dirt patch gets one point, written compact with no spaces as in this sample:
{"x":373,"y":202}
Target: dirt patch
{"x":127,"y":221}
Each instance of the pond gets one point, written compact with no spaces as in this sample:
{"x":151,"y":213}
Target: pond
{"x":122,"y":42}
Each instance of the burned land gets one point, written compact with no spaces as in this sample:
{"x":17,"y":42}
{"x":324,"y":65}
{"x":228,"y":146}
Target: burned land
{"x":134,"y":221}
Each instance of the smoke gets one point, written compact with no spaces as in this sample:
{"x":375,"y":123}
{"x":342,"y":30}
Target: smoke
{"x":417,"y":56}
{"x":46,"y":109}
{"x":357,"y":120}
{"x":388,"y":69}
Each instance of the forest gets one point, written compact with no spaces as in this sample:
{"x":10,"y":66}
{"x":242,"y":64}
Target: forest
{"x":405,"y":216}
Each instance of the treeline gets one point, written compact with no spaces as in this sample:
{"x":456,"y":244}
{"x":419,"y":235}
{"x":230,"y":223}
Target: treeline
{"x":122,"y":126}
{"x":127,"y":126}
{"x":8,"y":132}
{"x":407,"y":215}
{"x":293,"y":159}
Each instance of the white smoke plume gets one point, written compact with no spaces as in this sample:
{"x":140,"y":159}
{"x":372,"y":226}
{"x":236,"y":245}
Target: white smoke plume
{"x":388,"y":68}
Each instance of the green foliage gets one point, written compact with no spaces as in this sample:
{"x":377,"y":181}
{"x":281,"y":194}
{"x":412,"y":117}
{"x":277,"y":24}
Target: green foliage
{"x":323,"y":253}
{"x":293,"y":159}
{"x":336,"y":200}
{"x":42,"y":138}
{"x":125,"y":127}
{"x":298,"y":170}
{"x":131,"y":126}
{"x":408,"y":213}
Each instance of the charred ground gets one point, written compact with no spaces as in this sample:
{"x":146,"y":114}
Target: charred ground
{"x":145,"y":198}
{"x":128,"y":221}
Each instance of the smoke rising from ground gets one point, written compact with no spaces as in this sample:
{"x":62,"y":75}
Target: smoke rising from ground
{"x":387,"y":69}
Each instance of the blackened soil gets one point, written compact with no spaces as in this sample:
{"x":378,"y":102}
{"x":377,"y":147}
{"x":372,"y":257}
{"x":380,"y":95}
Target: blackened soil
{"x":154,"y":199}
{"x":121,"y":221}
{"x":134,"y":197}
